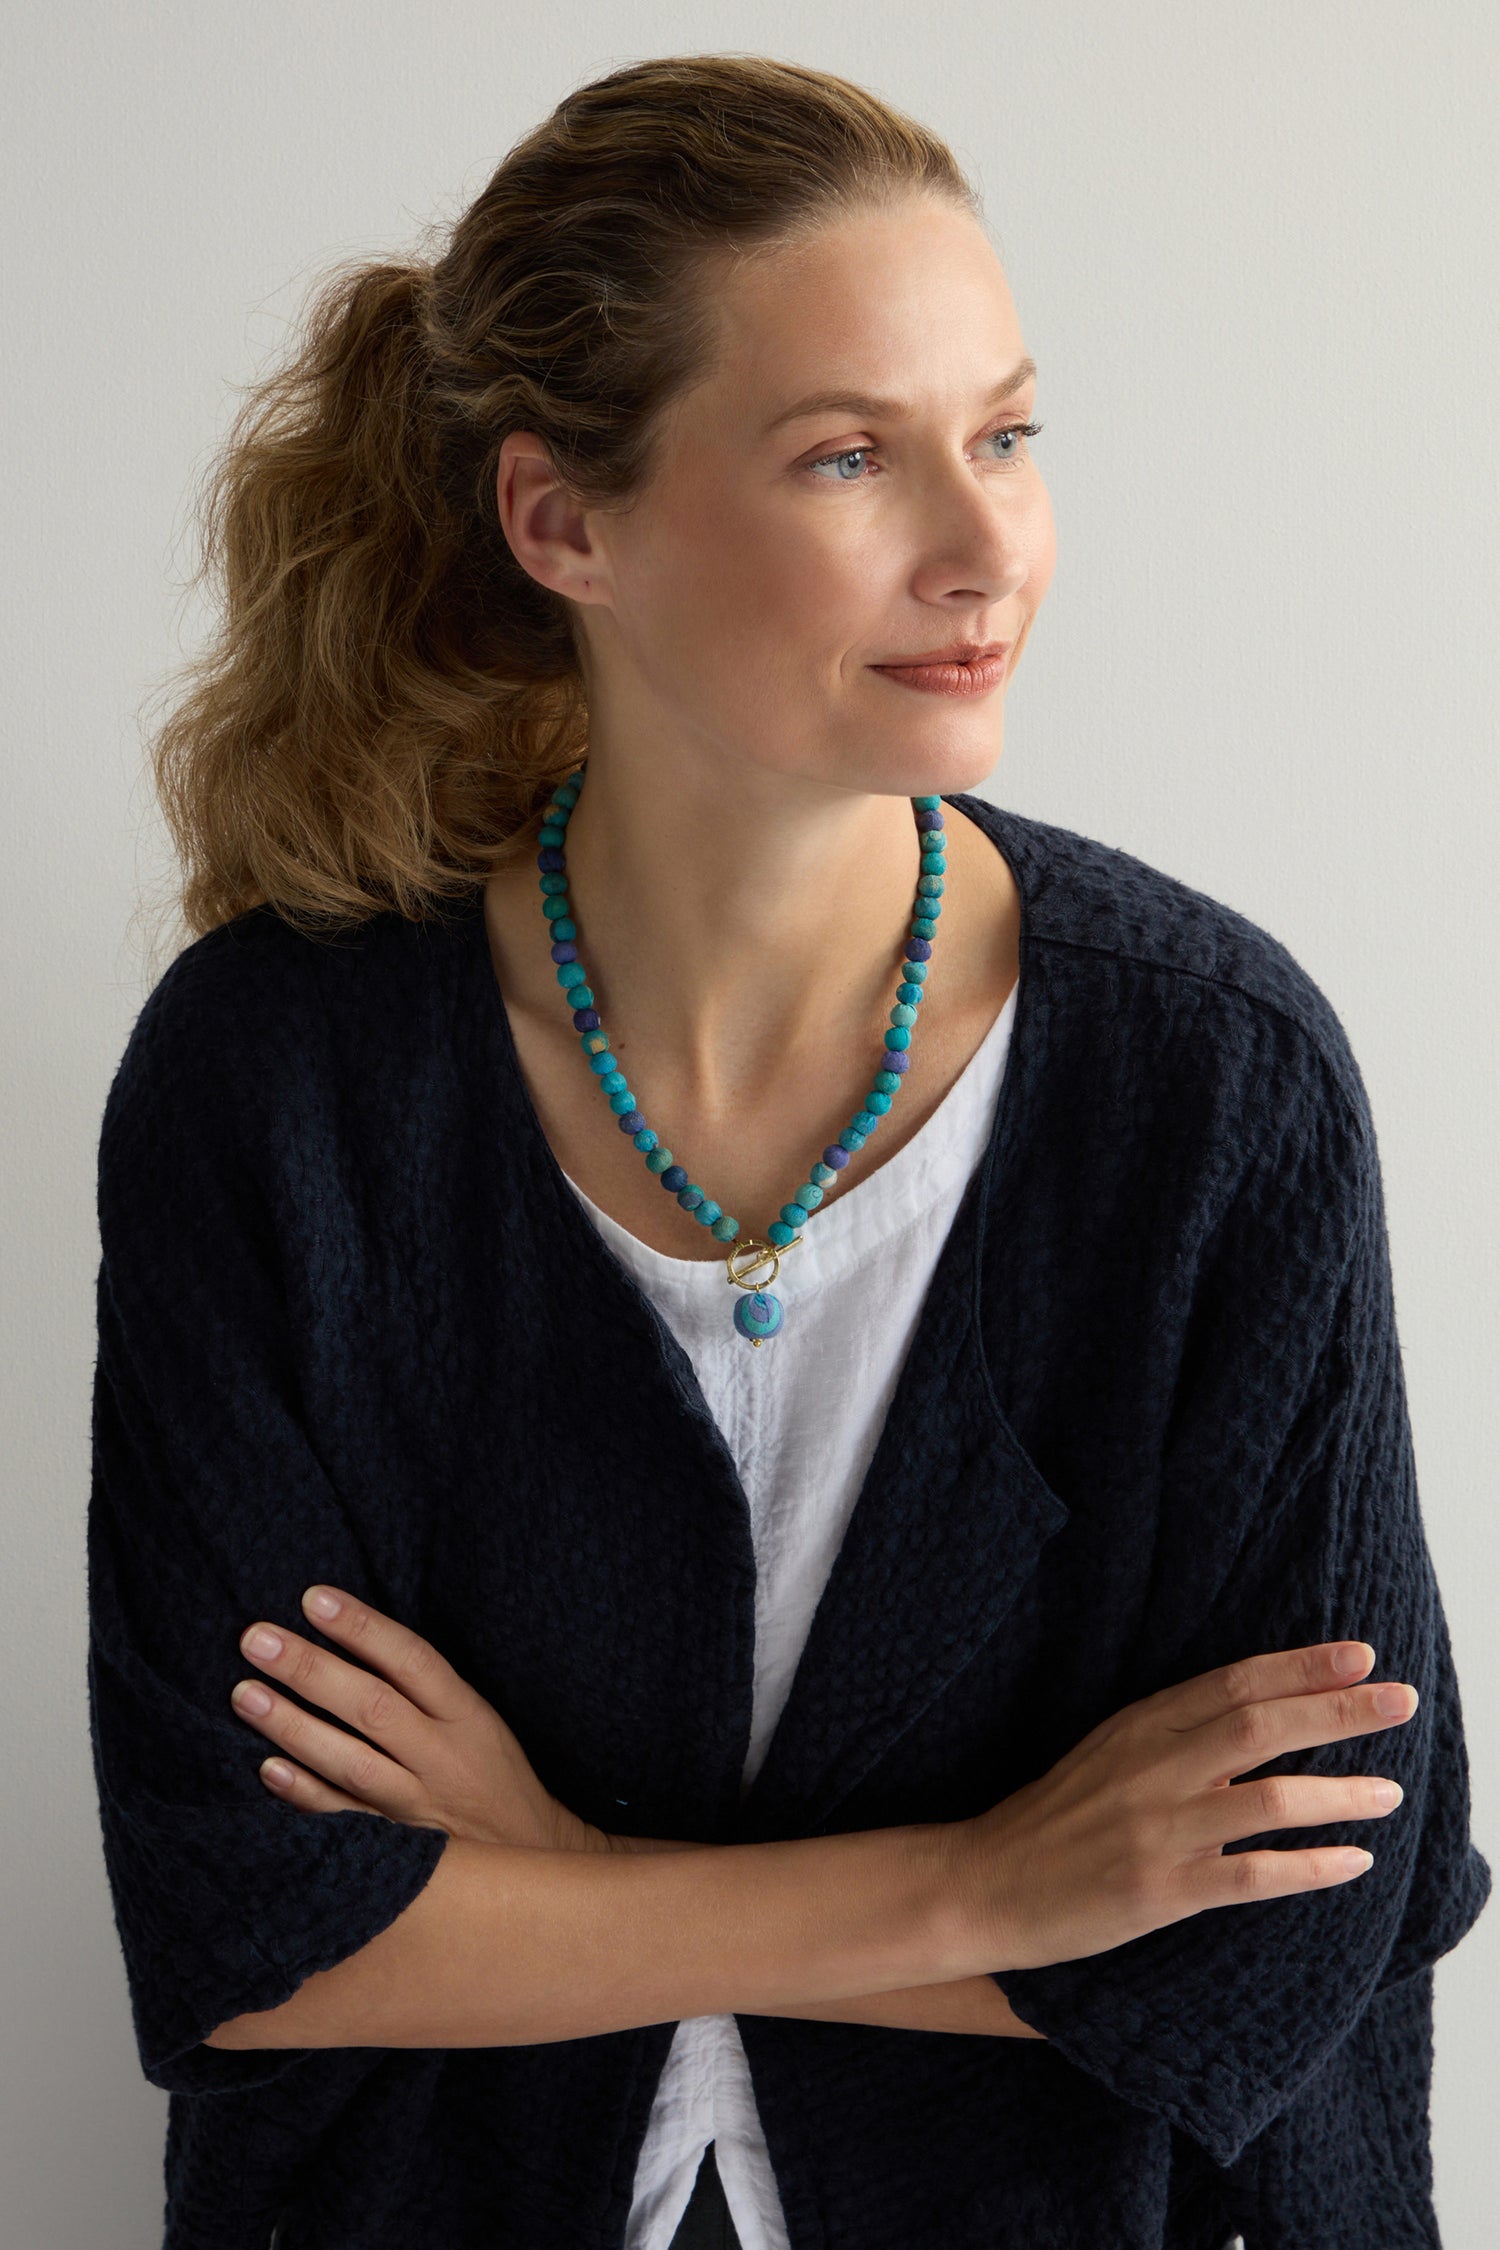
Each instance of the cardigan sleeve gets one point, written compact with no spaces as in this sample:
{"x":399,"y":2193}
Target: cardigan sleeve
{"x":208,"y":1508}
{"x":1290,"y":1516}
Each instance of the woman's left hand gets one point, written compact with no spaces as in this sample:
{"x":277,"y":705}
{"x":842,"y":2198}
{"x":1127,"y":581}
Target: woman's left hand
{"x":445,"y":1758}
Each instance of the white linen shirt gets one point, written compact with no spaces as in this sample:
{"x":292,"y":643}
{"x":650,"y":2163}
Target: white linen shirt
{"x":801,"y":1415}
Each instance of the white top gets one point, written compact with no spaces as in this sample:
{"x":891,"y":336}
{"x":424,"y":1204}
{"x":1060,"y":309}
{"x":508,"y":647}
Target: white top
{"x":801,"y":1415}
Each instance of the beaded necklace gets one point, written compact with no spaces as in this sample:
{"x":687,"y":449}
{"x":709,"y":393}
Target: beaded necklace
{"x":759,"y":1315}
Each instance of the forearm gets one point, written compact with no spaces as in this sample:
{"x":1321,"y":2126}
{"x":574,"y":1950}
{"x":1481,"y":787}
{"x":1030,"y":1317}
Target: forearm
{"x":973,"y":2004}
{"x":512,"y":1946}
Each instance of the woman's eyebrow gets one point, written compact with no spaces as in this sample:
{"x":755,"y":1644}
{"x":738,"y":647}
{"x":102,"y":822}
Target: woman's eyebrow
{"x":893,"y":409}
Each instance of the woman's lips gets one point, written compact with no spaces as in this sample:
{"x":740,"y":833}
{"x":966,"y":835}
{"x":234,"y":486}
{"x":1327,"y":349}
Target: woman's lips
{"x":948,"y":679}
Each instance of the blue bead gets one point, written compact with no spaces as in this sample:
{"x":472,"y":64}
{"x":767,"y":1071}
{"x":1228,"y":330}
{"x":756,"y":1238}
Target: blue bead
{"x":691,"y":1196}
{"x":631,"y":1122}
{"x":917,"y":949}
{"x":759,"y":1315}
{"x":895,"y":1061}
{"x":836,"y":1155}
{"x":585,"y":1019}
{"x":564,"y":950}
{"x":674,"y":1177}
{"x":552,"y":860}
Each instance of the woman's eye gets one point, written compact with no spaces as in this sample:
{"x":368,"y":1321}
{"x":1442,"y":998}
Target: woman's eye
{"x":1018,"y":430}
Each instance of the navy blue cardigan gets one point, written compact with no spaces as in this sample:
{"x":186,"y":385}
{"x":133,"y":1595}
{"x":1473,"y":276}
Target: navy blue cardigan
{"x":354,"y":1326}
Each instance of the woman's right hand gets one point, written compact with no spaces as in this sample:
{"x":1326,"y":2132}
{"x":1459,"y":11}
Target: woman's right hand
{"x":1125,"y":1833}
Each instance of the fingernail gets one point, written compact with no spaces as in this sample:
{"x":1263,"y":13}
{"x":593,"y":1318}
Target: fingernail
{"x":250,"y":1696}
{"x":1387,"y":1792}
{"x":1394,"y":1702}
{"x":261,"y":1641}
{"x":1354,"y":1656}
{"x":279,"y":1776}
{"x":321,"y":1602}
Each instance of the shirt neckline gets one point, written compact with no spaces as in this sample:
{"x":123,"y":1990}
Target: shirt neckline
{"x":853,"y":1204}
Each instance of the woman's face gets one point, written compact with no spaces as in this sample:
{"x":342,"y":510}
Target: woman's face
{"x":781,"y":552}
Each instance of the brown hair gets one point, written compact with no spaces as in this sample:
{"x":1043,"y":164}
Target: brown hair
{"x":390,"y":698}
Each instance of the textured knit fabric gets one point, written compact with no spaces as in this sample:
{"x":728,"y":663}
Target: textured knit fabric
{"x":801,"y":1417}
{"x":354,"y":1325}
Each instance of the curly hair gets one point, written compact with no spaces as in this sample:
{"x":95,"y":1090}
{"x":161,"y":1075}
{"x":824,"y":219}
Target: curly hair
{"x":389,"y":698}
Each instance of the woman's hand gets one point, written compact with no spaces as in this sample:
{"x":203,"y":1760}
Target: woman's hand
{"x":445,"y":1758}
{"x":1126,"y":1833}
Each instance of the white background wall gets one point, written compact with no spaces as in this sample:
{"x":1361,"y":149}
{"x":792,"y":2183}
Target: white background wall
{"x":1254,"y":251}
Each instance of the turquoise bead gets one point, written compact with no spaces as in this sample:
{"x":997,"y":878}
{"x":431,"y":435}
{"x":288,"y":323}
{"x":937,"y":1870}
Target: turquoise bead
{"x":864,"y":1121}
{"x":877,"y":1103}
{"x":780,"y":1234}
{"x":888,"y":1081}
{"x":915,"y":972}
{"x":926,"y":804}
{"x":851,"y":1140}
{"x":726,"y":1229}
{"x":553,"y":885}
{"x":550,"y":836}
{"x":623,"y":1102}
{"x":644,"y":1140}
{"x":552,"y":907}
{"x":898,"y":1036}
{"x":571,"y":973}
{"x":659,"y":1160}
{"x":824,"y":1174}
{"x":602,"y":1064}
{"x":930,"y":886}
{"x":922,"y":927}
{"x":594,"y":1042}
{"x":934,"y":863}
{"x":691,"y":1196}
{"x":707,"y":1213}
{"x":560,"y":930}
{"x":580,"y":996}
{"x":909,"y":995}
{"x":613,"y":1081}
{"x":809,"y":1195}
{"x":903,"y":1014}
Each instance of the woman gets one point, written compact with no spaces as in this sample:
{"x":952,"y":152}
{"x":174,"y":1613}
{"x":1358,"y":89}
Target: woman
{"x":775,"y":1736}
